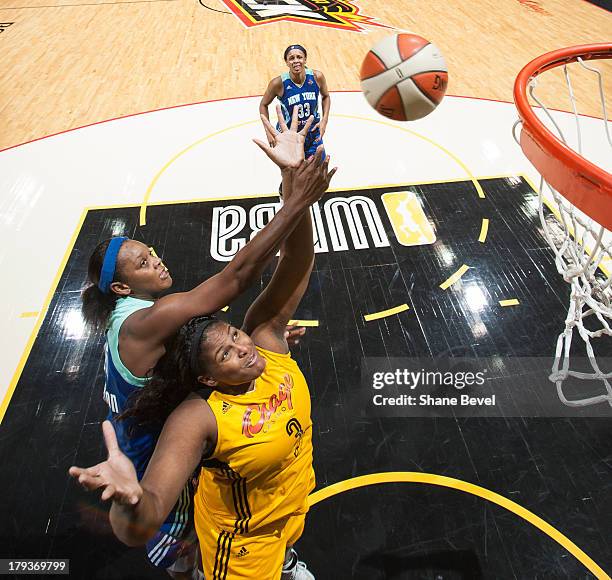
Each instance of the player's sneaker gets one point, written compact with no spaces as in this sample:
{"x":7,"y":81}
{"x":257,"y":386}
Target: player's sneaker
{"x":297,"y":570}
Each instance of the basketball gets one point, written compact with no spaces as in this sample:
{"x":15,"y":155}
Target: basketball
{"x":404,"y":77}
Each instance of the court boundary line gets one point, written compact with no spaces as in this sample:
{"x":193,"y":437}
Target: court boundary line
{"x":170,"y":107}
{"x":42,"y":313}
{"x":467,"y":487}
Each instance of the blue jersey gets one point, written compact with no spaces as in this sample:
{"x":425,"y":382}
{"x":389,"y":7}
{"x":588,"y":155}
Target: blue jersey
{"x":306,"y":98}
{"x":166,"y":547}
{"x":120,"y":384}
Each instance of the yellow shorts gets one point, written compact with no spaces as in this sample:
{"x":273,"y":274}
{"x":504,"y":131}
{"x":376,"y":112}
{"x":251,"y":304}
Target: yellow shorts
{"x":258,"y":554}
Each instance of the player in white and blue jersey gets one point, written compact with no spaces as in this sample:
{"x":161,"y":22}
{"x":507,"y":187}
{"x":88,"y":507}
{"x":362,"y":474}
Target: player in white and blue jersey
{"x":299,"y":88}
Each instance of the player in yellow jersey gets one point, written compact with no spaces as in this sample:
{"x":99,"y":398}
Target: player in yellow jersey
{"x":246,"y":421}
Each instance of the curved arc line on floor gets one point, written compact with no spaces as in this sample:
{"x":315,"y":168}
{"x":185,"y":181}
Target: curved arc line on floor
{"x":459,"y":484}
{"x":477,"y":186}
{"x":143,"y":208}
{"x":455,"y":277}
{"x":145,"y":201}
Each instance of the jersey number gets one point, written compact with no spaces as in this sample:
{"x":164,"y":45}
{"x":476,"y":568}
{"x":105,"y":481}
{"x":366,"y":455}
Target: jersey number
{"x":303,"y":110}
{"x":295,"y":428}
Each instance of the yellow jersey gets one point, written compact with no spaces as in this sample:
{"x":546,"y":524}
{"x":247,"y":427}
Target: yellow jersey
{"x":260,"y":471}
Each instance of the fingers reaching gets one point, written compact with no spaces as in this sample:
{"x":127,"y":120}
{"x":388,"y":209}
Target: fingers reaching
{"x":270,"y":129}
{"x":88,"y":478}
{"x":293,"y":331}
{"x":260,"y":143}
{"x":306,"y":127}
{"x":293,"y":334}
{"x":281,"y":118}
{"x":331,"y":174}
{"x":265,"y":147}
{"x":294,"y":119}
{"x":271,"y":138}
{"x":108,"y":492}
{"x":74,"y":471}
{"x":110,"y":437}
{"x":116,"y":476}
{"x":319,"y":154}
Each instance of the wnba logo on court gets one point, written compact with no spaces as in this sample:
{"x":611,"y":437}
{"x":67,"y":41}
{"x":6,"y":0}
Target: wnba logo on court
{"x":331,"y":13}
{"x":339,"y":224}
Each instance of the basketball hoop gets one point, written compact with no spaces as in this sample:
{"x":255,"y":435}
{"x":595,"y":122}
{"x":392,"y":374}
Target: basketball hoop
{"x":579,"y":193}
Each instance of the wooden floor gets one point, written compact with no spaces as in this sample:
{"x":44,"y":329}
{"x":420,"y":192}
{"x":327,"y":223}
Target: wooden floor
{"x":68,"y":63}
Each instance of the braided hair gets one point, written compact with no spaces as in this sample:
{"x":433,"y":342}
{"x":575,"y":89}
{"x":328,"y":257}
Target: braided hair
{"x":174,"y":376}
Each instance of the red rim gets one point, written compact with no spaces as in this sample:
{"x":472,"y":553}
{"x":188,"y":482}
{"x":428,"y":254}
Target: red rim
{"x":581,"y":182}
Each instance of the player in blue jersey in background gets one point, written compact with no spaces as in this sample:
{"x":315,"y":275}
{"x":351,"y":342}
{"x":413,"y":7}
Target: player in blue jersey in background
{"x":299,"y":88}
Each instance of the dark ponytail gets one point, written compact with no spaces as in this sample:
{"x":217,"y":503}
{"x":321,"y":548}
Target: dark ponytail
{"x":97,"y":306}
{"x":173,"y":377}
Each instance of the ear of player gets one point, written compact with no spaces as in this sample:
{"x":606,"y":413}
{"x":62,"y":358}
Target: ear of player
{"x":404,"y":77}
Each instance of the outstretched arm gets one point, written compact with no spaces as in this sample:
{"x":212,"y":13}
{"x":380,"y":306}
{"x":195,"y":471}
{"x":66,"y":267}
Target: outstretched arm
{"x":266,"y":318}
{"x":151,"y":327}
{"x":139,"y":509}
{"x":273,"y":90}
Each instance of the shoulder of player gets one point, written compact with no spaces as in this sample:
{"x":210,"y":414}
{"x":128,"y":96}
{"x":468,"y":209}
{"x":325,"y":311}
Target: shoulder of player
{"x":194,"y":403}
{"x":195,"y":408}
{"x":318,"y":75}
{"x":191,"y":427}
{"x":277,"y":83}
{"x":150,"y":324}
{"x":133,"y":327}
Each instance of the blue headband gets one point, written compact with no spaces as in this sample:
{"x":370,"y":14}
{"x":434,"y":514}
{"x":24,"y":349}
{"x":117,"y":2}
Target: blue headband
{"x":109,"y":264}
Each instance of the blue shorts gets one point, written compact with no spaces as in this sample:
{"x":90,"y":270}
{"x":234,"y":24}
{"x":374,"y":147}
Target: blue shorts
{"x":175,"y":545}
{"x":313,"y":140}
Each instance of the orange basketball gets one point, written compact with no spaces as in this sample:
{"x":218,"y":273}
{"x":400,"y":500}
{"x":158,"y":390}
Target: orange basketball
{"x":404,"y":77}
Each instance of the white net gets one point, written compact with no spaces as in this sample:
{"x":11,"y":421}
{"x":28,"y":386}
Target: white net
{"x":583,"y":256}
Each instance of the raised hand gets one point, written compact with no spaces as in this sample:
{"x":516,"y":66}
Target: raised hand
{"x":311,"y":179}
{"x":285,"y":147}
{"x":293,"y":334}
{"x":116,"y":476}
{"x":271,"y":137}
{"x":321,"y":126}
